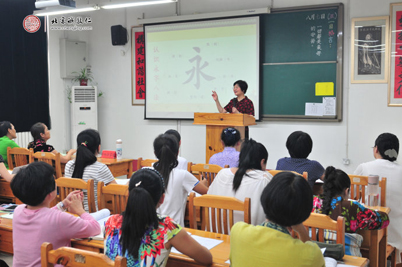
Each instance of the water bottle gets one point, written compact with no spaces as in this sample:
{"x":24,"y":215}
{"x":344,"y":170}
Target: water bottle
{"x":373,"y":190}
{"x":119,"y":149}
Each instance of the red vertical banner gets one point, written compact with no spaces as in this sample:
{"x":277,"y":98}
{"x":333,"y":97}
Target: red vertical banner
{"x":139,"y":65}
{"x":398,"y":56}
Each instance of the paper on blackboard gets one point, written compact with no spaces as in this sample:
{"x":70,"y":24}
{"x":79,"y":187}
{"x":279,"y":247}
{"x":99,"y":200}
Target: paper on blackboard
{"x":314,"y":109}
{"x":329,"y":106}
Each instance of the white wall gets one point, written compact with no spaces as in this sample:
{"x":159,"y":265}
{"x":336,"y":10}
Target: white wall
{"x":365,"y":110}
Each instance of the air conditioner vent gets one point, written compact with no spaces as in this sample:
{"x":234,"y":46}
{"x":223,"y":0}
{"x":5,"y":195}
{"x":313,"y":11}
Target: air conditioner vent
{"x":84,"y":95}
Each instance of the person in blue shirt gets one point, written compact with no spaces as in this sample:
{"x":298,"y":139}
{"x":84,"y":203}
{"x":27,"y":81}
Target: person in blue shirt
{"x":229,"y":156}
{"x":299,"y":145}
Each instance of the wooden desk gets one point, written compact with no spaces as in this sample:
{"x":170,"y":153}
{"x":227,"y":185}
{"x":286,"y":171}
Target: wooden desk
{"x":6,"y":235}
{"x":220,"y":253}
{"x":117,"y":167}
{"x":374,"y":244}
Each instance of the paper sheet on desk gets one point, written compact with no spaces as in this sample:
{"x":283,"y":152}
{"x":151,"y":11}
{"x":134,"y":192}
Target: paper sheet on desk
{"x":122,"y":181}
{"x":209,"y":243}
{"x":7,"y":215}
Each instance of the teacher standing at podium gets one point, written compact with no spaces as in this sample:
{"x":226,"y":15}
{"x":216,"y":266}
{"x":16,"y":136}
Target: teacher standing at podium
{"x":239,"y":104}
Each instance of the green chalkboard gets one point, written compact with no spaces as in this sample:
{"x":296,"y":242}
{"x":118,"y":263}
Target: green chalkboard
{"x":298,"y":49}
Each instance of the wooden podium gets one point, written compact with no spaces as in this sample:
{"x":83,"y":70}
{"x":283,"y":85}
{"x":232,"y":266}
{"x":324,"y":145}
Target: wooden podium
{"x":215,"y":123}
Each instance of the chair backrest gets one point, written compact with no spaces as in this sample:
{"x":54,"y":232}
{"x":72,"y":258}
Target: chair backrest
{"x":113,"y":197}
{"x":50,"y":158}
{"x":67,"y":185}
{"x":358,"y":185}
{"x":208,"y":171}
{"x":71,"y":257}
{"x":145,"y":163}
{"x":18,"y":156}
{"x":274,"y":172}
{"x":215,"y":211}
{"x":320,"y":222}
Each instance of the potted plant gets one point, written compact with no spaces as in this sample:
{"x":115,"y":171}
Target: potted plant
{"x":83,"y":77}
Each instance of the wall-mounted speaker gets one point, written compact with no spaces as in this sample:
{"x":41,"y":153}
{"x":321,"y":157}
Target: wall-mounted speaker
{"x":119,"y":35}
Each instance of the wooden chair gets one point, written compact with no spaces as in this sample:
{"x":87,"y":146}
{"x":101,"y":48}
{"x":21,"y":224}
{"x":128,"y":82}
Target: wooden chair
{"x":71,"y":257}
{"x":215,"y":210}
{"x":208,"y":171}
{"x":117,"y":193}
{"x":145,"y":163}
{"x":274,"y":172}
{"x":50,"y":158}
{"x":67,"y":185}
{"x":18,"y":156}
{"x":358,"y":188}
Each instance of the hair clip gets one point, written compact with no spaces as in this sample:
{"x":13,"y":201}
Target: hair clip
{"x":84,"y":143}
{"x":137,"y":184}
{"x":231,"y":130}
{"x":391,"y":153}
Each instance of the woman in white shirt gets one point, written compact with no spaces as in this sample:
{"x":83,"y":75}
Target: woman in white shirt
{"x":178,"y":183}
{"x":248,"y":180}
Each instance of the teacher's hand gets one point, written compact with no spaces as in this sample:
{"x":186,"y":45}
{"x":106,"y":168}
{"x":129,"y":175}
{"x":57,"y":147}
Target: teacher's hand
{"x":234,"y":110}
{"x":214,"y":96}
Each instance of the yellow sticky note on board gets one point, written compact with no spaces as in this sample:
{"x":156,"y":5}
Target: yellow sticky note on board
{"x":324,"y":89}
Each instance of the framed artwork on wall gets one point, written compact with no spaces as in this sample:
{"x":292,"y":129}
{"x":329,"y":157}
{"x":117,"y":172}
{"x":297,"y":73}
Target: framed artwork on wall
{"x":395,"y":82}
{"x":370,"y":50}
{"x":137,"y":65}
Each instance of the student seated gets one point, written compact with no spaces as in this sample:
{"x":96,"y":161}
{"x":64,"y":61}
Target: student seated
{"x":41,"y":134}
{"x":34,"y":222}
{"x":143,"y":236}
{"x":334,"y":202}
{"x":230,"y":139}
{"x":182,"y":162}
{"x":248,"y":180}
{"x":4,"y":172}
{"x":7,"y":133}
{"x":385,"y":151}
{"x":86,"y":166}
{"x":299,"y":145}
{"x":178,"y":183}
{"x":287,"y":201}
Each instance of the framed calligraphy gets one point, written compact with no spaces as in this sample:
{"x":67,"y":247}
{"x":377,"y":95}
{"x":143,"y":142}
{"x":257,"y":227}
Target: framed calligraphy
{"x":370,"y":50}
{"x":395,"y":82}
{"x":138,"y":65}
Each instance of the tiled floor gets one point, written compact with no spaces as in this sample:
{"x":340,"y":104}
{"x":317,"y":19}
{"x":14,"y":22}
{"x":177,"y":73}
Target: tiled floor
{"x":7,"y":258}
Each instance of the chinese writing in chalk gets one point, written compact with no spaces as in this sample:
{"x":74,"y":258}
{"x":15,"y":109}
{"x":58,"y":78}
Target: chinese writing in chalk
{"x":319,"y":22}
{"x":197,"y":70}
{"x":139,"y":49}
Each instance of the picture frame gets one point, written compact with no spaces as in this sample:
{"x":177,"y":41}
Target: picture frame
{"x":370,"y":50}
{"x":395,"y":81}
{"x":137,"y":66}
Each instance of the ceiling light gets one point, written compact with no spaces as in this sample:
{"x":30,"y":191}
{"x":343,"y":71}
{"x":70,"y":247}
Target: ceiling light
{"x":132,"y":4}
{"x":58,"y":11}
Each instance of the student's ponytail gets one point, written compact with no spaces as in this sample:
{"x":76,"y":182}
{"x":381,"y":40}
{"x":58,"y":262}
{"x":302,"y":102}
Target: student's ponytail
{"x":335,"y":183}
{"x":88,"y":142}
{"x":145,"y":190}
{"x":166,"y":150}
{"x":250,"y":157}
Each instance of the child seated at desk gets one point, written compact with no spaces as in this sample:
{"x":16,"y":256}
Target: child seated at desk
{"x":299,"y":145}
{"x":143,"y":236}
{"x":34,"y":222}
{"x":7,"y":134}
{"x":287,"y":201}
{"x":230,"y":138}
{"x":41,"y":134}
{"x":334,"y":202}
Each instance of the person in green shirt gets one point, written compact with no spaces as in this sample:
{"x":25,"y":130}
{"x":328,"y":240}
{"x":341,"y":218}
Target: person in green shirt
{"x":7,"y":133}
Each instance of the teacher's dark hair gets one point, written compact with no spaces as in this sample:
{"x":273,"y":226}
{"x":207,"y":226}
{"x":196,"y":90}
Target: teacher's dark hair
{"x":88,"y":142}
{"x":388,"y":146}
{"x":32,"y":184}
{"x":230,"y":136}
{"x":37,"y":129}
{"x":250,"y":157}
{"x":299,"y":145}
{"x":145,"y":190}
{"x":335,"y":183}
{"x":166,"y":149}
{"x":4,"y":126}
{"x":242,"y":84}
{"x":287,"y":200}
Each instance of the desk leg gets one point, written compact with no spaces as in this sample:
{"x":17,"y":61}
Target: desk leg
{"x":130,"y":169}
{"x":374,"y":249}
{"x":383,"y":249}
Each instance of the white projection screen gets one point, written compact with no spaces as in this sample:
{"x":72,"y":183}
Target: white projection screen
{"x":186,"y":61}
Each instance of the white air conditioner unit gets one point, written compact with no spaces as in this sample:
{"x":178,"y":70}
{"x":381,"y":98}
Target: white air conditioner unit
{"x":84,"y":110}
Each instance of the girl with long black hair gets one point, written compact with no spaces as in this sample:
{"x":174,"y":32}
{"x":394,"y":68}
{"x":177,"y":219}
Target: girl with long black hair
{"x":248,"y":180}
{"x":140,"y":234}
{"x":178,"y":183}
{"x":86,"y":166}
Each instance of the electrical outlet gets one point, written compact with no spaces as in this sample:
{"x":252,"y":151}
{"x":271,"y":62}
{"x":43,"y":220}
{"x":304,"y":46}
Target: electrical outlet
{"x":346,"y":161}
